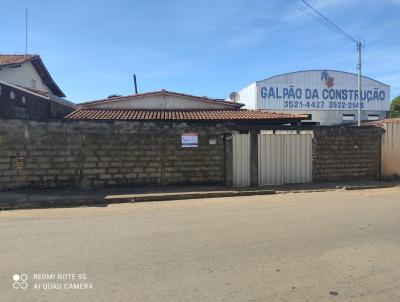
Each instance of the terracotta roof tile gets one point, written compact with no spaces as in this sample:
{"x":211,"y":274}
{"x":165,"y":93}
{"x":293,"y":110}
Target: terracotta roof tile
{"x":14,"y":59}
{"x":181,"y":115}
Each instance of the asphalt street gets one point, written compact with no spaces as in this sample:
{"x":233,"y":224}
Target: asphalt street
{"x":321,"y":246}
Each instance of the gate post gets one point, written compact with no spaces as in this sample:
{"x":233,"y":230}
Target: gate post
{"x":228,"y":159}
{"x":254,"y":158}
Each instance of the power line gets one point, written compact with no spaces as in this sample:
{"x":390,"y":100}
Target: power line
{"x":317,"y":16}
{"x":312,"y":12}
{"x":329,"y":21}
{"x":302,"y":8}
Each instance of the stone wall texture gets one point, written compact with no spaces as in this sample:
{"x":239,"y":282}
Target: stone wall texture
{"x":346,"y":153}
{"x":49,"y":154}
{"x":83,"y":154}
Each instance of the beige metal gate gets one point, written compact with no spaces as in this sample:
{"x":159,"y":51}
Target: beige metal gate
{"x":284,"y":158}
{"x":241,"y":160}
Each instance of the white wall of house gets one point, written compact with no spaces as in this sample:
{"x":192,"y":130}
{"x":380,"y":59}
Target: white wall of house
{"x":248,"y":96}
{"x":328,"y":103}
{"x":25,"y":75}
{"x":159,"y":101}
{"x":332,"y":118}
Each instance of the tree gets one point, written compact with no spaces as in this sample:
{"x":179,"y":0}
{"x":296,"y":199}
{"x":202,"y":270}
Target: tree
{"x":395,"y":107}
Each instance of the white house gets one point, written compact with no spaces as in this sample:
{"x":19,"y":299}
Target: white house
{"x":30,"y":89}
{"x":161,"y":100}
{"x":27,"y":71}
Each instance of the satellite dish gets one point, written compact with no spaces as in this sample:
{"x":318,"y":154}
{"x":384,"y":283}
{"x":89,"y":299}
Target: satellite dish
{"x":234,"y":96}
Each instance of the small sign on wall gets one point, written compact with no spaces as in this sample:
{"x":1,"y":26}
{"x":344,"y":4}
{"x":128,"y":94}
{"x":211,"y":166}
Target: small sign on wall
{"x":212,"y":141}
{"x":190,"y":140}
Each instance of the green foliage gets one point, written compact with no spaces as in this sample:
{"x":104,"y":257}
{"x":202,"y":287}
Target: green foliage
{"x":395,"y":107}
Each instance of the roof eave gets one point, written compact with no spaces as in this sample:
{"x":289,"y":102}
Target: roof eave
{"x":45,"y":75}
{"x":25,"y":90}
{"x":112,"y":100}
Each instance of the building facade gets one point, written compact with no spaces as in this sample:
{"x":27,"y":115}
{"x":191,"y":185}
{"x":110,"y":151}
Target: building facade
{"x":157,"y":138}
{"x":161,"y":100}
{"x":28,"y":91}
{"x":169,"y":138}
{"x":328,"y":97}
{"x":19,"y":102}
{"x":168,"y":106}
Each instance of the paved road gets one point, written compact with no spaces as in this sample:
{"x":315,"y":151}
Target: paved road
{"x":331,"y":246}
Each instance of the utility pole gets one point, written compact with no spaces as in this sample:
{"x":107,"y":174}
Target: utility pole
{"x":359,"y":46}
{"x":311,"y":11}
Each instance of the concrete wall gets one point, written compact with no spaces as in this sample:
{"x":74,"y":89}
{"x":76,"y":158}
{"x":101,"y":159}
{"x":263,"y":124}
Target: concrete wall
{"x":344,"y":153}
{"x":391,"y":149}
{"x":63,"y":153}
{"x":46,"y":154}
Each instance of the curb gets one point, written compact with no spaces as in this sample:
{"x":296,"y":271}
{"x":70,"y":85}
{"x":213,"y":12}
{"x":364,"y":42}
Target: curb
{"x":87,"y":202}
{"x":180,"y":196}
{"x":114,"y":199}
{"x":369,"y":187}
{"x":54,"y":204}
{"x":338,"y":188}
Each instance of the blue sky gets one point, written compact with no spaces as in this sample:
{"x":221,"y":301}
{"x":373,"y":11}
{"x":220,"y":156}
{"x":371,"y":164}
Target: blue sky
{"x":208,"y":47}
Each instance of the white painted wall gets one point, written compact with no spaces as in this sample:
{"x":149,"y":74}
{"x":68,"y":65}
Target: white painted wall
{"x":322,"y":110}
{"x":248,"y":96}
{"x":22,"y":76}
{"x":271,"y":92}
{"x":329,"y":118}
{"x":159,"y":101}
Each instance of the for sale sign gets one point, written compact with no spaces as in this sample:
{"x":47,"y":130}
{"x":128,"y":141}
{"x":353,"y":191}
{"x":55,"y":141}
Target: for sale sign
{"x":190,"y":140}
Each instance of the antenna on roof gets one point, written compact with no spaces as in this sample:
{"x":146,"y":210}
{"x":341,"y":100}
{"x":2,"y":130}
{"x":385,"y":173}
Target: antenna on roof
{"x":234,"y":96}
{"x":134,"y":80}
{"x":26,"y":32}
